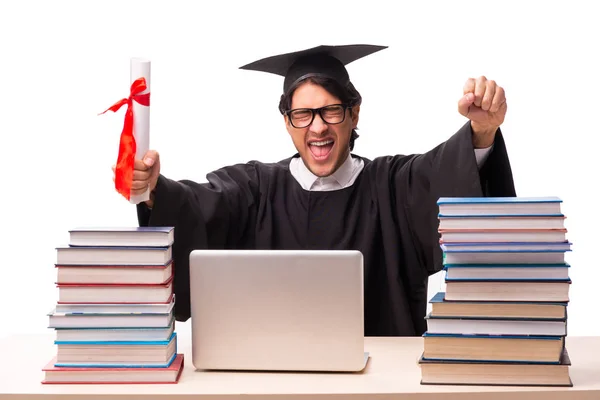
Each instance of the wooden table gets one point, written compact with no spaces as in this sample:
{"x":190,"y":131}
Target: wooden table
{"x":392,"y":373}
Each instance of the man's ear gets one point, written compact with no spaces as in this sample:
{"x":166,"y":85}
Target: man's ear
{"x":286,"y":121}
{"x":355,"y":111}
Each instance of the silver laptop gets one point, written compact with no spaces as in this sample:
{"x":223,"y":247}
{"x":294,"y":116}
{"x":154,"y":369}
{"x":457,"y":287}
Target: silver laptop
{"x":277,"y":310}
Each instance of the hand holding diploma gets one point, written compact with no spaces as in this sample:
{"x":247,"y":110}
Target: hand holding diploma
{"x":145,"y":175}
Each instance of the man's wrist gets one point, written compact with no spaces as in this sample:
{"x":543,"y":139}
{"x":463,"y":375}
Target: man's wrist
{"x":483,"y":137}
{"x":150,"y":201}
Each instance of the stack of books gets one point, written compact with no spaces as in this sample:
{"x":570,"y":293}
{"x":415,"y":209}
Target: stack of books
{"x":114,"y":318}
{"x":502,"y":319}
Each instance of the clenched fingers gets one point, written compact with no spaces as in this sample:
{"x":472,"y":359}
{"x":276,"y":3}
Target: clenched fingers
{"x":488,"y":96}
{"x":138,"y":176}
{"x":139,"y":185}
{"x":142,"y":175}
{"x":139,"y":165}
{"x":469,"y":86}
{"x":479,"y":91}
{"x":499,"y":99}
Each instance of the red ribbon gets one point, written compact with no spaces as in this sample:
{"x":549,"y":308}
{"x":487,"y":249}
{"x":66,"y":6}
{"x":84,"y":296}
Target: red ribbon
{"x":127,"y":145}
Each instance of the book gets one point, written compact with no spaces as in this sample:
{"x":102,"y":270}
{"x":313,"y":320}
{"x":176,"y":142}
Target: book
{"x":441,"y":307}
{"x":494,"y":206}
{"x":113,"y":318}
{"x":119,"y":308}
{"x":144,"y":236}
{"x":501,"y":222}
{"x":114,"y":274}
{"x":457,"y":372}
{"x":509,"y":290}
{"x":109,"y":320}
{"x":493,"y":348}
{"x":117,"y":293}
{"x":103,"y":334}
{"x":117,"y":354}
{"x":114,"y":255}
{"x":504,"y":257}
{"x":496,"y":326}
{"x":504,"y":246}
{"x":502,"y":317}
{"x":517,"y":272}
{"x":119,"y":375}
{"x":489,"y":235}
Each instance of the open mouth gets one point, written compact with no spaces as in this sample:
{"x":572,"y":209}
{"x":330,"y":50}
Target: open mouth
{"x":321,"y":149}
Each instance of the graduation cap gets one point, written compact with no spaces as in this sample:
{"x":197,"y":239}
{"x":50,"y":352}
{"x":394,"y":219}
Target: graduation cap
{"x":328,"y":61}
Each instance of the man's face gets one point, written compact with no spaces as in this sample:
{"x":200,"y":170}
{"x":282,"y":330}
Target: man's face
{"x":323,"y":146}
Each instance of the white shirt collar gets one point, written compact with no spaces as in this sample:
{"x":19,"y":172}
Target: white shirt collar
{"x":343,"y":177}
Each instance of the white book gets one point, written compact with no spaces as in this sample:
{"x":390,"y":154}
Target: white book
{"x":113,"y":274}
{"x":480,"y":326}
{"x":116,"y":308}
{"x":502,"y":235}
{"x":523,"y":291}
{"x":505,"y":271}
{"x":62,"y":320}
{"x":504,"y":257}
{"x":112,"y":334}
{"x":68,"y":255}
{"x":144,"y":236}
{"x":501,"y":222}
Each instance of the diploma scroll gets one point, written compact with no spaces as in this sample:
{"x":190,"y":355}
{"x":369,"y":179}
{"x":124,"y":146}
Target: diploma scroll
{"x":135,"y":137}
{"x":140,"y":68}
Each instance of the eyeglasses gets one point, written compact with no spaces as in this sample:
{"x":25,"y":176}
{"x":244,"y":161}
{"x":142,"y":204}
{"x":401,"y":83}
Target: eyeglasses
{"x":331,"y":114}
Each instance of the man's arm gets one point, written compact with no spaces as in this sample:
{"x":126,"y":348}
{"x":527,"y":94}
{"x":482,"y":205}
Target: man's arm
{"x":449,"y":170}
{"x":214,"y":215}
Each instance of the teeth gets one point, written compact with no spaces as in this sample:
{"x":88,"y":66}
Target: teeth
{"x":321,"y":143}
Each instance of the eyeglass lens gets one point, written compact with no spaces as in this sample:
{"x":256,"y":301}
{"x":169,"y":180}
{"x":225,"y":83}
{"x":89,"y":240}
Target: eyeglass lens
{"x":333,"y":114}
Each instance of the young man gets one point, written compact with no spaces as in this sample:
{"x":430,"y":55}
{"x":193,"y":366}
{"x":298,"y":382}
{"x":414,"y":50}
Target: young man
{"x":324,"y":197}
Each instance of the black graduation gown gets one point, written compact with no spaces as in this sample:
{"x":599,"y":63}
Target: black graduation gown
{"x":389,"y":214}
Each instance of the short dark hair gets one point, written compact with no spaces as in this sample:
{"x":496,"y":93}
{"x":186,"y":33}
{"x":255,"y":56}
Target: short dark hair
{"x":347,"y":94}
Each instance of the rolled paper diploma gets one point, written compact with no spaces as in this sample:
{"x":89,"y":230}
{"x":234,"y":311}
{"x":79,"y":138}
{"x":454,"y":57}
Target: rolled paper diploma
{"x":140,"y":67}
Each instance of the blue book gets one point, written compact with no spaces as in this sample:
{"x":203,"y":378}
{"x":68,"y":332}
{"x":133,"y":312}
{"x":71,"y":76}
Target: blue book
{"x":164,"y":356}
{"x":499,"y":206}
{"x":499,"y":200}
{"x":503,"y":256}
{"x":146,"y":343}
{"x":517,"y":272}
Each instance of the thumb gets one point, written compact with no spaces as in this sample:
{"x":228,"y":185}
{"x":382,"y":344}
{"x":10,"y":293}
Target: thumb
{"x":150,"y":158}
{"x":464,"y":103}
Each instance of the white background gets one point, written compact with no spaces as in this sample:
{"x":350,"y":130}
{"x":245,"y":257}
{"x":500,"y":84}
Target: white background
{"x":64,"y":62}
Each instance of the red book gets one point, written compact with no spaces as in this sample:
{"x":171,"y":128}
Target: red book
{"x":80,"y":375}
{"x":116,"y":293}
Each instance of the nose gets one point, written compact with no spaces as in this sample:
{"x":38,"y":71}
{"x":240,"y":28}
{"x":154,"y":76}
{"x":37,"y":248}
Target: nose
{"x":318,"y":126}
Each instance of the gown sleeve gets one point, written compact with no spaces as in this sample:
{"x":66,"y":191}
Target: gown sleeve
{"x":217,"y":214}
{"x":448,"y":170}
{"x":408,"y":188}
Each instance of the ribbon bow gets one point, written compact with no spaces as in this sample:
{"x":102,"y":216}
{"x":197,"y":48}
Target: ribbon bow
{"x":127,"y":145}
